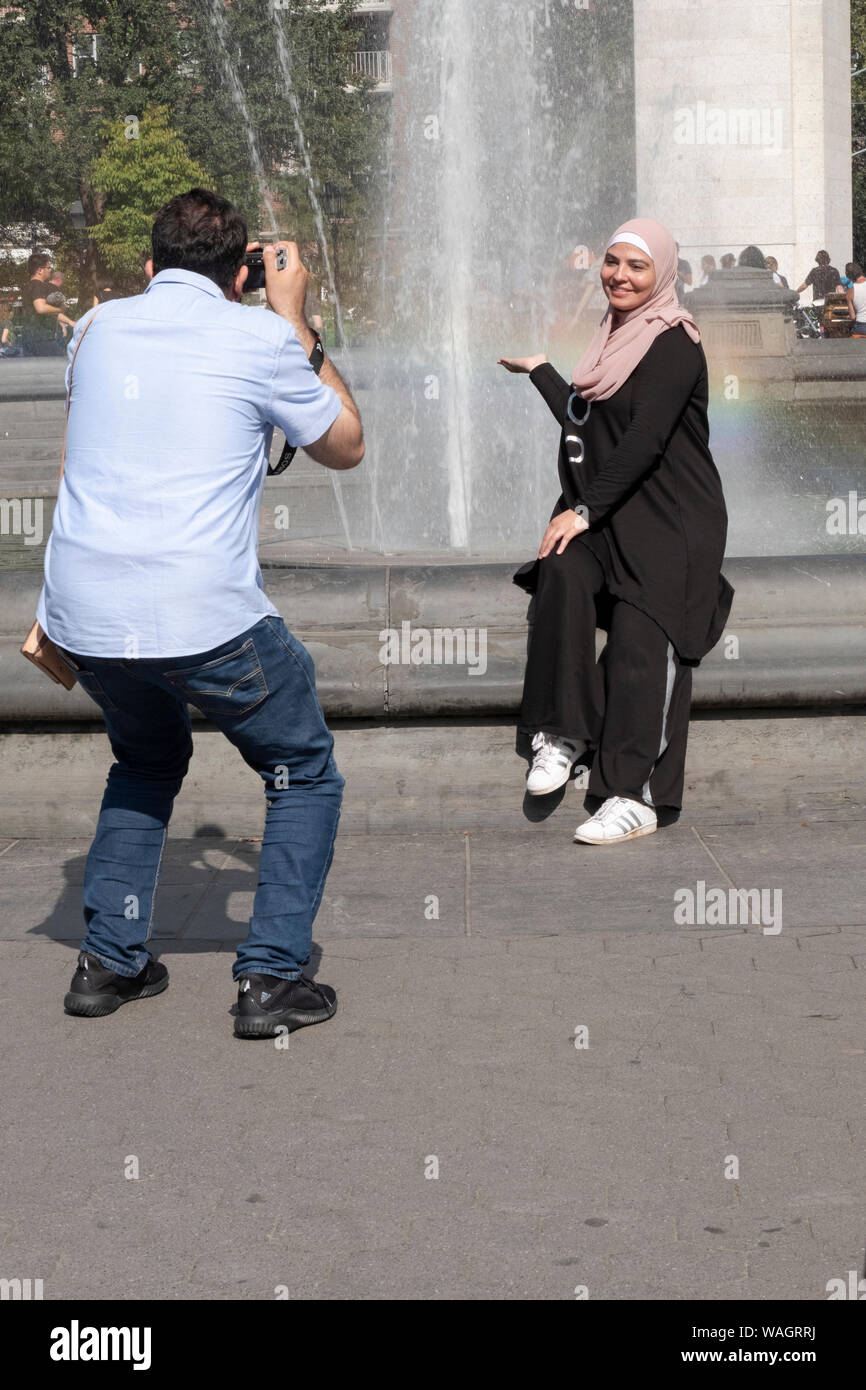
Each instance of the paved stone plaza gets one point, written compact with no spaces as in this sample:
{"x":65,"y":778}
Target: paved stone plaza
{"x":706,"y":1141}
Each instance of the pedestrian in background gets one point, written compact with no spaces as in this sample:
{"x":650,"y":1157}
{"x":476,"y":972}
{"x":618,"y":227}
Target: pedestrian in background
{"x":708,"y":265}
{"x":823,"y":277}
{"x":684,"y":276}
{"x":856,"y":299}
{"x":40,"y":319}
{"x":773,"y":264}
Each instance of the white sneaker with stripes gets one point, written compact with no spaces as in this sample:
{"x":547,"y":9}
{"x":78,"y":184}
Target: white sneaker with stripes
{"x":552,"y":764}
{"x":619,"y":818}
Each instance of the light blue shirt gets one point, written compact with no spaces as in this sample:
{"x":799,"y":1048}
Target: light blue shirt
{"x":175,"y":395}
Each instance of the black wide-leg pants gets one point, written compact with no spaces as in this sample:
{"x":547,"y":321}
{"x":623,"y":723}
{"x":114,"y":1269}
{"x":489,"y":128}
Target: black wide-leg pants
{"x":631,"y":705}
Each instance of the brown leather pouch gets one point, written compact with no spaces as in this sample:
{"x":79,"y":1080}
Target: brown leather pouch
{"x":40,"y":649}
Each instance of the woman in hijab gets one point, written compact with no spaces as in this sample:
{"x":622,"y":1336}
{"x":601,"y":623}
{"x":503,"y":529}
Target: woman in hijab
{"x":635,"y":546}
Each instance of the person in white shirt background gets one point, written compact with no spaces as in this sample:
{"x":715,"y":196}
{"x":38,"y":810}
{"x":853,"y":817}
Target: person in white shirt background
{"x":773,"y":264}
{"x":708,"y":264}
{"x":857,"y":299}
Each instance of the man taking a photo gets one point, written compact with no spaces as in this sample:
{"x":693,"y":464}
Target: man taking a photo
{"x":154,"y":595}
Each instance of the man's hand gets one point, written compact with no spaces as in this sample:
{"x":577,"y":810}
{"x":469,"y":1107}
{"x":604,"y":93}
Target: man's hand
{"x":65,"y":321}
{"x":563,"y":528}
{"x":342,"y":444}
{"x":286,"y":289}
{"x":522,"y":364}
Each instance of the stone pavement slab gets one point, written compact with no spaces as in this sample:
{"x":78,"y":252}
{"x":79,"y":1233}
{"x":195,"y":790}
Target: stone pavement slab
{"x":532,"y":882}
{"x":448,"y":775}
{"x":704,"y":1143}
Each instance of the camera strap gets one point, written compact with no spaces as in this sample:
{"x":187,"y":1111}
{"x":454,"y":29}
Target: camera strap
{"x":283,"y":461}
{"x":317,"y":358}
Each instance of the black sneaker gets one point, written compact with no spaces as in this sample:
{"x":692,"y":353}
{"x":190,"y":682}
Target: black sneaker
{"x":266,"y":1003}
{"x":96,"y":990}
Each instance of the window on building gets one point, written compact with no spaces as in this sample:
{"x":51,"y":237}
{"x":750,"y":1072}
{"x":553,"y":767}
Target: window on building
{"x":373,"y":57}
{"x":85,"y":53}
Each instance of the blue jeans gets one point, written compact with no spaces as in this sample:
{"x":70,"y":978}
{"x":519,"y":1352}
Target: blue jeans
{"x":259,"y":689}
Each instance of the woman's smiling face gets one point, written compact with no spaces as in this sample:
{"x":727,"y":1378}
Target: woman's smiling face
{"x":628,"y":276}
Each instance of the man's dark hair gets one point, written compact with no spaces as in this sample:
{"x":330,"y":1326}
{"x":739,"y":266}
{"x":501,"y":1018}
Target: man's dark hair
{"x":199,"y":231}
{"x":38,"y":261}
{"x":853,"y":270}
{"x":823,"y":258}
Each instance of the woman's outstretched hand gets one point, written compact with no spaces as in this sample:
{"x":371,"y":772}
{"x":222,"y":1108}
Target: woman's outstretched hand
{"x":562,"y":529}
{"x":522,"y":364}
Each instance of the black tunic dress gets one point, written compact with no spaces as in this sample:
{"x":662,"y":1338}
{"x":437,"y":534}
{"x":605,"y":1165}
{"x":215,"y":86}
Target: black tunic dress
{"x":652,"y":494}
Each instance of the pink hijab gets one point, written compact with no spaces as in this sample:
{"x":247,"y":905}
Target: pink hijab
{"x":613,"y":354}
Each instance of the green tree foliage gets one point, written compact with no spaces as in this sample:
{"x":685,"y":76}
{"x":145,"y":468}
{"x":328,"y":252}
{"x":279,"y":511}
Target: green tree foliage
{"x":143,"y":163}
{"x":315,"y":103}
{"x":60,"y":115}
{"x":55,"y":102}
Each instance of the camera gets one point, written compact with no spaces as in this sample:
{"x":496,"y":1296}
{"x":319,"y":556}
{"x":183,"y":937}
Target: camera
{"x":255,"y":263}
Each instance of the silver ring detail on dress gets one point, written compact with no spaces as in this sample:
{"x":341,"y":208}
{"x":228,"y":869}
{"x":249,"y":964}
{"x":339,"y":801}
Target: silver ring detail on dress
{"x":572,"y":416}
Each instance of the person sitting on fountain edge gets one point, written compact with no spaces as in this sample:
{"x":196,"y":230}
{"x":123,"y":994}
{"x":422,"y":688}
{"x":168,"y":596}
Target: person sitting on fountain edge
{"x":634,"y":545}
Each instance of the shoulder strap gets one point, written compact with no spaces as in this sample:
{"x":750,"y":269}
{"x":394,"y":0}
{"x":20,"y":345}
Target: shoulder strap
{"x":69,"y":386}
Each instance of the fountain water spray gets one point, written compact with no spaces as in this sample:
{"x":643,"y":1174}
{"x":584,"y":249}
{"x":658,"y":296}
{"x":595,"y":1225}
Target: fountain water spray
{"x":218,"y":23}
{"x":505,"y":119}
{"x":286,"y":69}
{"x":220,"y":28}
{"x":285,"y":63}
